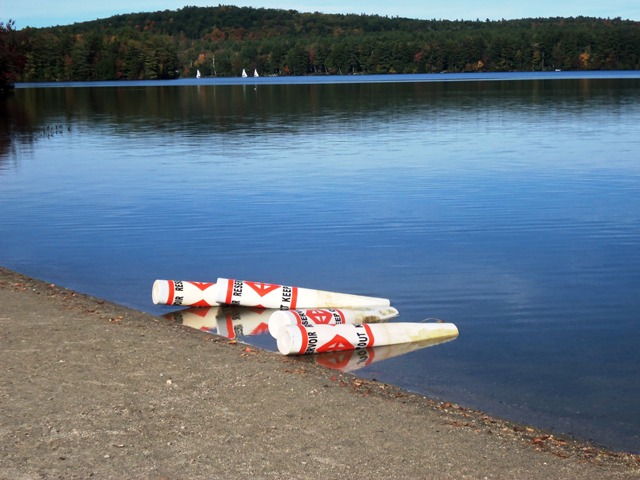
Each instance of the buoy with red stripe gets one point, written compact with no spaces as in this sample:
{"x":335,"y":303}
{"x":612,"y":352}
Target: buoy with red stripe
{"x":282,"y":297}
{"x":328,"y":316}
{"x":303,"y":340}
{"x":182,"y":292}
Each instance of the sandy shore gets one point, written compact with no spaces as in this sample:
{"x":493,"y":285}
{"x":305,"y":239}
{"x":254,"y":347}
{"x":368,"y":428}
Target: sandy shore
{"x":92,"y":389}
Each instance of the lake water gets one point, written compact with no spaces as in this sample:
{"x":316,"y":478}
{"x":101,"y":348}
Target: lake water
{"x":506,"y":204}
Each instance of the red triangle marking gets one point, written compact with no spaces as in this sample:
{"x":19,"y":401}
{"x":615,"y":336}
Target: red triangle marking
{"x":260,"y":329}
{"x":201,"y":312}
{"x":335,"y":360}
{"x":336,"y":344}
{"x":201,"y":285}
{"x":201,"y":303}
{"x":262,"y":288}
{"x":320,"y":317}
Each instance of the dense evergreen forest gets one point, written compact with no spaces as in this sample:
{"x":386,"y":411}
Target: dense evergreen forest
{"x":224,"y":40}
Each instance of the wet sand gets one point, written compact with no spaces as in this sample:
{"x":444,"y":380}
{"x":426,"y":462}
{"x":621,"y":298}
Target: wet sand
{"x":93,"y":389}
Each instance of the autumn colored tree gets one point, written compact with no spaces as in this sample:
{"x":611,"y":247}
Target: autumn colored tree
{"x":223,"y":40}
{"x":12,"y":61}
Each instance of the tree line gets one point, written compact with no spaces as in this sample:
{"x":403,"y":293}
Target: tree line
{"x":11,"y":59}
{"x":224,"y":40}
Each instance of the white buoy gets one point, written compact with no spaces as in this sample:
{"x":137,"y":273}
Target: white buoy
{"x":301,"y":340}
{"x":267,"y":295}
{"x":182,"y":292}
{"x":328,"y":316}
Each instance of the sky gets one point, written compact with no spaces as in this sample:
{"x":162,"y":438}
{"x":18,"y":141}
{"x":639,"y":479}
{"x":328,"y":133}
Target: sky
{"x":44,"y":13}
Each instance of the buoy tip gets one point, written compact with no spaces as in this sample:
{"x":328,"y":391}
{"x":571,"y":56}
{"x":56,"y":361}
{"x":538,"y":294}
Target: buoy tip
{"x":285,"y":340}
{"x":276,"y":321}
{"x":160,"y":292}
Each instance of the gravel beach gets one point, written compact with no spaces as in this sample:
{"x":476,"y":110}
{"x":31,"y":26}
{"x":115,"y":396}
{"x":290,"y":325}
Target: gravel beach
{"x":93,"y":389}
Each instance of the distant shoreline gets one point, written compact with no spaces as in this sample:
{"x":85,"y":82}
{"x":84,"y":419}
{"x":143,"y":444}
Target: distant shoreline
{"x":347,"y":79}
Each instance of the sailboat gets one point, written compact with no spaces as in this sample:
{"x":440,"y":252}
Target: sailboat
{"x":244,"y":73}
{"x":197,"y":73}
{"x":255,"y":73}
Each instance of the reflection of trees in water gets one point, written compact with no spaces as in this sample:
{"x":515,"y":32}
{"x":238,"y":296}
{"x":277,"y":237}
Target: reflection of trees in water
{"x":21,"y":125}
{"x":33,"y":114}
{"x":12,"y":121}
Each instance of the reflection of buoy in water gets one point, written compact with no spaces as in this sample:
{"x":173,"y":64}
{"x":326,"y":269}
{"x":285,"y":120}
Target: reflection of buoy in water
{"x":241,"y":321}
{"x":328,"y":316}
{"x":198,"y":318}
{"x":352,"y":360}
{"x":301,"y":340}
{"x":230,"y":322}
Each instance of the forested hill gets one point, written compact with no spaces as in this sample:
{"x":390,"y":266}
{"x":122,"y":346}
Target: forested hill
{"x":224,"y":40}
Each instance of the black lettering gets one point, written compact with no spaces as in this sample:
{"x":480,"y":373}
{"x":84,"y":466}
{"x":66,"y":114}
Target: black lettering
{"x":312,"y":338}
{"x":286,"y":298}
{"x":304,"y":320}
{"x":178,"y":300}
{"x":363,"y":356}
{"x":237,"y":289}
{"x":362,"y":340}
{"x":237,"y":330}
{"x":178,"y":285}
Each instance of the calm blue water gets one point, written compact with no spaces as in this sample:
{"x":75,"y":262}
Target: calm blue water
{"x":506,"y":204}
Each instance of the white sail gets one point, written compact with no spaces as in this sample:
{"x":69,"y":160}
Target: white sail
{"x":244,"y":72}
{"x":255,"y":73}
{"x":197,"y":73}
